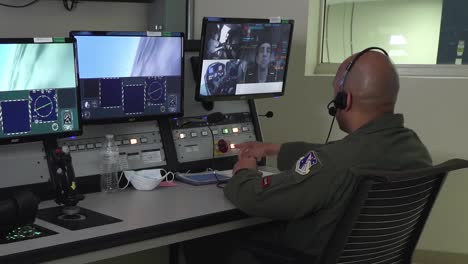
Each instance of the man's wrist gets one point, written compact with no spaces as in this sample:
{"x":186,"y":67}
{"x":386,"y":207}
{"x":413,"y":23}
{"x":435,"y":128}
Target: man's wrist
{"x":273,"y":149}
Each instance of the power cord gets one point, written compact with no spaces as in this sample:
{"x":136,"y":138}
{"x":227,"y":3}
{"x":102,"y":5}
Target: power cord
{"x":20,"y":6}
{"x":219,"y":184}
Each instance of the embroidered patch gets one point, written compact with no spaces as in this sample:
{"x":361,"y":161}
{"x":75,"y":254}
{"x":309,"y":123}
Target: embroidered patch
{"x":306,"y":162}
{"x":266,"y":181}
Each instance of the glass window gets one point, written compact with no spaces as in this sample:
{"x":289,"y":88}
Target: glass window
{"x":412,"y":32}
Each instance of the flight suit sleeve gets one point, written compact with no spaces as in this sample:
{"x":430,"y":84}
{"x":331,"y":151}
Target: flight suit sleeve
{"x":290,"y":194}
{"x":290,"y":152}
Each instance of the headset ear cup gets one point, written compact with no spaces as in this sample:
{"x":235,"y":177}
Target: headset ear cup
{"x":341,"y":100}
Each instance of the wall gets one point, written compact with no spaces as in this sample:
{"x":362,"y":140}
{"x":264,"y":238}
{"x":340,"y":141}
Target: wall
{"x":49,"y":18}
{"x":434,"y":108}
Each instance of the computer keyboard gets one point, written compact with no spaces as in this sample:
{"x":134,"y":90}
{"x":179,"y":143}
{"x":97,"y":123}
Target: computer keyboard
{"x":202,"y":178}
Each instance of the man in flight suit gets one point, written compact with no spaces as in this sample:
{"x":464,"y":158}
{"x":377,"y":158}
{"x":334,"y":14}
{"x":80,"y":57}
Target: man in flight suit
{"x":312,"y":190}
{"x":310,"y":194}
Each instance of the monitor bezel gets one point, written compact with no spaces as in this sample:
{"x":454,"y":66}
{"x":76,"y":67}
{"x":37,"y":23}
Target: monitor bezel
{"x":40,"y":137}
{"x":131,"y":119}
{"x":232,"y":20}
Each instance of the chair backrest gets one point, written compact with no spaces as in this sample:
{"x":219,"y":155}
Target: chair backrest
{"x":386,"y":215}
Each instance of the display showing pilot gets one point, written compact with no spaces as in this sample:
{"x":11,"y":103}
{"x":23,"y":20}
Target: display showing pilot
{"x":213,"y":78}
{"x":214,"y":48}
{"x":263,"y":68}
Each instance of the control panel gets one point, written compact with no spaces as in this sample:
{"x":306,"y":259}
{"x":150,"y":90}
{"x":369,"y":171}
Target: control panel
{"x":196,"y":139}
{"x":140,"y":146}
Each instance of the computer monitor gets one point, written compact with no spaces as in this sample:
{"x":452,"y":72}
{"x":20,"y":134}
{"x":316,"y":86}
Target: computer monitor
{"x":39,"y":95}
{"x":243,"y":58}
{"x":130,"y":76}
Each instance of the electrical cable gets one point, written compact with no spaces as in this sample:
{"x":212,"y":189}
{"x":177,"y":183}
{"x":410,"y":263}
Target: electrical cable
{"x":20,"y":6}
{"x":329,"y":131}
{"x":218,"y":182}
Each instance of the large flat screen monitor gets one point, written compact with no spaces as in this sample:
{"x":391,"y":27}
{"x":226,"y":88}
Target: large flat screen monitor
{"x":130,"y":76}
{"x":39,"y":94}
{"x":243,"y":58}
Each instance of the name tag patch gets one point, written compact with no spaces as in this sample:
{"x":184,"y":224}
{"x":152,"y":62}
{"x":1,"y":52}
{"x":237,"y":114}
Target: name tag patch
{"x":305,"y":163}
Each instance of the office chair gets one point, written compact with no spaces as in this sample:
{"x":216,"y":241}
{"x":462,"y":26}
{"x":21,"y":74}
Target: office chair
{"x":384,"y":221}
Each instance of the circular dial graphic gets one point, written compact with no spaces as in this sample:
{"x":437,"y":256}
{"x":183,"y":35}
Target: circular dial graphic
{"x":156,"y":92}
{"x":43,"y":106}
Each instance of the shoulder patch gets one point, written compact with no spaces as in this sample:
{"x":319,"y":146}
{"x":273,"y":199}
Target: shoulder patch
{"x":306,"y":162}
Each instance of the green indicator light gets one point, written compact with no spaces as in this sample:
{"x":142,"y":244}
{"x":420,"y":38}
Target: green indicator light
{"x":61,"y":40}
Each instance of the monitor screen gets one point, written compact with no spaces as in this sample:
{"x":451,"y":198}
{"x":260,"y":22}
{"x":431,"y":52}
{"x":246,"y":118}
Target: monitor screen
{"x":243,"y":58}
{"x":128,"y":76}
{"x":38,"y":89}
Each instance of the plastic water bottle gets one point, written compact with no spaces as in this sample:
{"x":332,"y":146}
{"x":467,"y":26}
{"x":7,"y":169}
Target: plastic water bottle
{"x":110,"y":165}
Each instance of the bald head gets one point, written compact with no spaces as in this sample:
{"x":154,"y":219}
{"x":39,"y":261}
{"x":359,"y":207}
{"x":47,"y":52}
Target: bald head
{"x":372,"y":85}
{"x":373,"y":82}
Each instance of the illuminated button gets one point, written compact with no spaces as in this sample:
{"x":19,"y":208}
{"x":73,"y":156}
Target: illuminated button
{"x":126,"y":142}
{"x":204,"y":133}
{"x":133,"y":141}
{"x":143,"y":140}
{"x":215,"y":132}
{"x":245,"y":129}
{"x":233,"y":146}
{"x":98,"y":145}
{"x":89,"y":146}
{"x":235,"y":130}
{"x":182,"y":136}
{"x":72,"y":148}
{"x":118,"y":142}
{"x":81,"y":147}
{"x":193,"y":134}
{"x":225,"y":130}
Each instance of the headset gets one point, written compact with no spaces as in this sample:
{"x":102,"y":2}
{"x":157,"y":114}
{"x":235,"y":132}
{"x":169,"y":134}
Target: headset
{"x":341,"y":97}
{"x":340,"y":100}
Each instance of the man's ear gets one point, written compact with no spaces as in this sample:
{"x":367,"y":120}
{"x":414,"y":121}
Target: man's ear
{"x":349,"y":101}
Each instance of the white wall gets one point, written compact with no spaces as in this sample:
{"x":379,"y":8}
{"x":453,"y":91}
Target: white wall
{"x":49,"y":18}
{"x":435,"y":108}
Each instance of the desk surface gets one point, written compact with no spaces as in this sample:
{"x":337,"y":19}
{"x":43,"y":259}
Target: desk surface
{"x":165,"y":211}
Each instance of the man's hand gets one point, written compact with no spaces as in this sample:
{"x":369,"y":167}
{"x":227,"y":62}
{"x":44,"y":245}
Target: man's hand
{"x":257,"y":150}
{"x":245,"y":163}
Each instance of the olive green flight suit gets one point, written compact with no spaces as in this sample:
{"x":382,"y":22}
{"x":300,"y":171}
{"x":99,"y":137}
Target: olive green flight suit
{"x":311,"y":192}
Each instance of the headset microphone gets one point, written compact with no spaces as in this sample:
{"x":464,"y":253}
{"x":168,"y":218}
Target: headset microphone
{"x":268,"y":114}
{"x":331,"y":108}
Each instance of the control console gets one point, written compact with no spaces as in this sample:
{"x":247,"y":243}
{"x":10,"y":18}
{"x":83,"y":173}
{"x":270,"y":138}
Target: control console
{"x":197,"y":139}
{"x":140,"y":146}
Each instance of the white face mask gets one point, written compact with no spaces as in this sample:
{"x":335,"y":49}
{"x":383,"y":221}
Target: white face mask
{"x":147,"y":180}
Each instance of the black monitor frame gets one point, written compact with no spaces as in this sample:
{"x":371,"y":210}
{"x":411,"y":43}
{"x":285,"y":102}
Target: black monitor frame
{"x":50,"y":136}
{"x":74,"y":33}
{"x":230,"y":20}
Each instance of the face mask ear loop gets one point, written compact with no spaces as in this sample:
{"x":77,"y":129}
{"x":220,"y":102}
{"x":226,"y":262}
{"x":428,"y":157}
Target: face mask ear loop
{"x":166,"y":173}
{"x":128,"y":181}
